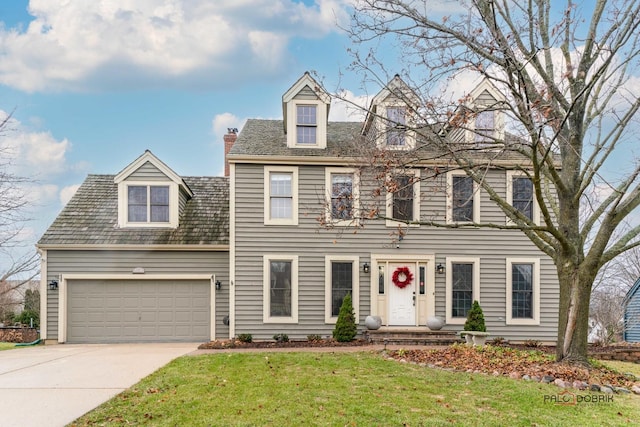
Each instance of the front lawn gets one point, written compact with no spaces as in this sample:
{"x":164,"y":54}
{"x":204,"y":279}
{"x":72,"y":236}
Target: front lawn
{"x":344,"y":389}
{"x":7,"y":345}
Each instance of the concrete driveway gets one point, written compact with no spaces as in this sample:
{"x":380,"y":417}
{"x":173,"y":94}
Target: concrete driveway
{"x":55,"y":384}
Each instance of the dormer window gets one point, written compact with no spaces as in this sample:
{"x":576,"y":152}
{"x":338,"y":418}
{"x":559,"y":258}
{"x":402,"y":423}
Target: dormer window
{"x":390,"y":121}
{"x":150,"y":194}
{"x":485,"y":126}
{"x":147,"y":204}
{"x":305,"y":107}
{"x":306,"y":124}
{"x":396,"y":129}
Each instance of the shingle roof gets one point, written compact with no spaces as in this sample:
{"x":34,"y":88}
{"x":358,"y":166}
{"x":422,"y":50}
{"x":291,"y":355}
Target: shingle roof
{"x":91,"y":217}
{"x":267,"y":138}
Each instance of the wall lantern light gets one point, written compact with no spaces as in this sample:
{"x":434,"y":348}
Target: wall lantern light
{"x":218,"y":285}
{"x":53,"y":285}
{"x":440,"y":269}
{"x":365,"y":267}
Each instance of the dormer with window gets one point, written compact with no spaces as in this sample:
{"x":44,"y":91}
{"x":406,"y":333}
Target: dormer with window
{"x":390,"y":118}
{"x":306,"y":110}
{"x":150,"y":194}
{"x":486,"y":126}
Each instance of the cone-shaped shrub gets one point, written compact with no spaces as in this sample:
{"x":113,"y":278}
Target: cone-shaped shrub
{"x":475,"y":319}
{"x":346,"y":328}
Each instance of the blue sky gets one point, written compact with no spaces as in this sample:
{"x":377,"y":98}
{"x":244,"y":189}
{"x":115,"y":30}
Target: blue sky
{"x":93,"y":84}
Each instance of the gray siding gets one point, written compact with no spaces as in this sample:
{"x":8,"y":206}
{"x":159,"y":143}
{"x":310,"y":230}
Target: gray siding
{"x":147,"y":172}
{"x":306,"y":93}
{"x":311,"y":243}
{"x":123,"y":262}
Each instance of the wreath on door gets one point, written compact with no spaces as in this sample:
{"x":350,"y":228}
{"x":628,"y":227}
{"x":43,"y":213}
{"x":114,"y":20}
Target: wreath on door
{"x":402,"y":277}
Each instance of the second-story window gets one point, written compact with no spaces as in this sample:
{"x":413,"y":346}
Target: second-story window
{"x":462,"y":198}
{"x":522,"y":195}
{"x":281,"y":195}
{"x":342,"y":196}
{"x":306,"y":124}
{"x":403,"y":199}
{"x":148,"y":203}
{"x":396,"y":129}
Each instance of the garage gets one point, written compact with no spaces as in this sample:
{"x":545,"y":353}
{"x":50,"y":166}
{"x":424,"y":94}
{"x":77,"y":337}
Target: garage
{"x":114,"y":311}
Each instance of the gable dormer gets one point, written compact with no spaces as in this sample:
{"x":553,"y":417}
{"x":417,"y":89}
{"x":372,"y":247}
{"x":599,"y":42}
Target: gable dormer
{"x":150,"y":194}
{"x":391,"y":116}
{"x":486,"y":103}
{"x":306,"y":111}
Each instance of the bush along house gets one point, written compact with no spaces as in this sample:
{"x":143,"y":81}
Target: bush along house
{"x":305,"y":215}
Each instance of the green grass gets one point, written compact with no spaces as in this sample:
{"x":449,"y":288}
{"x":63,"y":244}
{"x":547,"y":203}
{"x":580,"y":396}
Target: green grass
{"x":341,"y":389}
{"x":7,"y":345}
{"x":622,"y":367}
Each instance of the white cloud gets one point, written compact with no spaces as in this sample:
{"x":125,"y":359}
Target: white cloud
{"x":36,"y":154}
{"x":42,"y":195}
{"x":222,"y":122}
{"x":348,"y":107}
{"x":67,"y":193}
{"x":69,"y":45}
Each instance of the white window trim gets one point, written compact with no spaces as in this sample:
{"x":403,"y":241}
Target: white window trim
{"x":355,"y":196}
{"x":416,"y":200}
{"x":383,"y":127}
{"x":123,"y":204}
{"x":535,"y":209}
{"x":266,"y":269}
{"x":449,"y":283}
{"x":355,"y":281}
{"x":476,"y":199}
{"x":292,"y":123}
{"x":536,"y":291}
{"x":293,"y":170}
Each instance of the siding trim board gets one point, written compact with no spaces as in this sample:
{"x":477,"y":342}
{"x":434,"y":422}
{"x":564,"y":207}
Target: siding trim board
{"x":64,"y":298}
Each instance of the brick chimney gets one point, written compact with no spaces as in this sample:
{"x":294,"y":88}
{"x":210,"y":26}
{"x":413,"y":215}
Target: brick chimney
{"x":229,"y":140}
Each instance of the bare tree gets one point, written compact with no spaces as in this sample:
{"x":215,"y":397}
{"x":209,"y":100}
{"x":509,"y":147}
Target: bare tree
{"x":565,"y":70}
{"x":17,"y":270}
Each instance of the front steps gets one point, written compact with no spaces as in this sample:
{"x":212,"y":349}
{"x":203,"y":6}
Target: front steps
{"x":411,"y":336}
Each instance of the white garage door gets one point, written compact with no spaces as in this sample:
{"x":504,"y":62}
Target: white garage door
{"x":111,"y":311}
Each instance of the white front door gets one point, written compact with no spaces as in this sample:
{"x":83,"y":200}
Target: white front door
{"x":402,"y":294}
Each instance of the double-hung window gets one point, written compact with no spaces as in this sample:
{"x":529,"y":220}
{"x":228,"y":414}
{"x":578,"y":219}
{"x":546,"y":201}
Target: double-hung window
{"x":342,"y":195}
{"x":520,"y":195}
{"x":341,"y":278}
{"x":306,"y":124}
{"x":396,"y":129}
{"x":148,"y":204}
{"x":403,"y":198}
{"x":485,"y":126}
{"x":523,"y":288}
{"x":280,"y":289}
{"x":463,"y":287}
{"x":463,"y":198}
{"x":281,"y":195}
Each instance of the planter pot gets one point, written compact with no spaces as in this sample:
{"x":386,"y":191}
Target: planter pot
{"x":479,"y":340}
{"x":435,"y":323}
{"x":373,"y":322}
{"x":468,"y":339}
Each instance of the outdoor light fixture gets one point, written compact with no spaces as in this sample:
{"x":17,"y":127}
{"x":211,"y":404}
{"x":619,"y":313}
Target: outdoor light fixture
{"x":440,"y":269}
{"x":365,"y":267}
{"x":218,"y":285}
{"x":53,"y":285}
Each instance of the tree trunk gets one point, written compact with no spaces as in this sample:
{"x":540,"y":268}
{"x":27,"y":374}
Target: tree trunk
{"x":573,"y":316}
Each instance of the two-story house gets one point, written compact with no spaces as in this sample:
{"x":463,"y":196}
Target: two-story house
{"x":304,"y":217}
